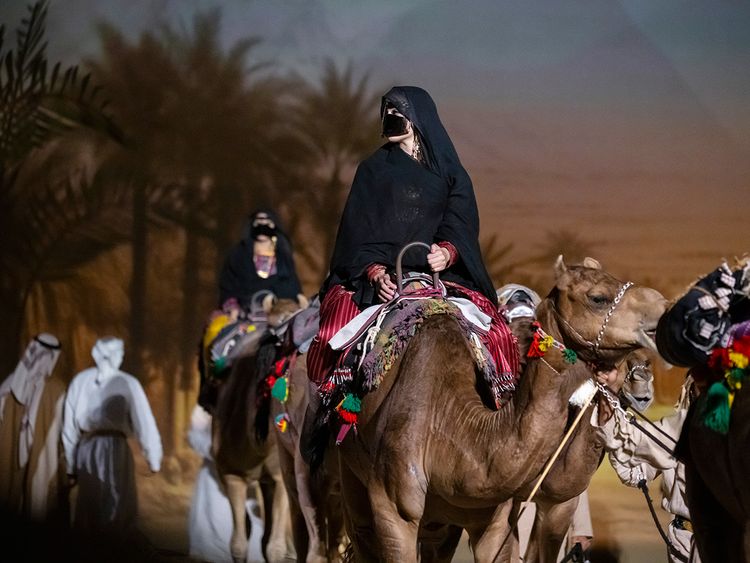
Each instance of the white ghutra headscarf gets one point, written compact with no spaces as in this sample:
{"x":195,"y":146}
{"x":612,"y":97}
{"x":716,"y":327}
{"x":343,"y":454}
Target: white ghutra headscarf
{"x":107,"y":353}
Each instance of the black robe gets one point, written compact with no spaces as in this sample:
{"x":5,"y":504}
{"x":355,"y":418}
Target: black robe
{"x":395,"y":200}
{"x":240,"y":280}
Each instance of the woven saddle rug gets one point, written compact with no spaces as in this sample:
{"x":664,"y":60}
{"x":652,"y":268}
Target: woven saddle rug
{"x":401,"y":324}
{"x":379,"y":338}
{"x":372,"y":343}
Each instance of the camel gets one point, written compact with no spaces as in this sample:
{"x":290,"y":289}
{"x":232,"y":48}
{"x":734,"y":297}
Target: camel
{"x":241,"y":455}
{"x":716,"y":485}
{"x":431,"y":457}
{"x":557,"y":498}
{"x":315,"y":500}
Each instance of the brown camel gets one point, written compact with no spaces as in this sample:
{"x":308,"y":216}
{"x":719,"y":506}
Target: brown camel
{"x":557,"y":498}
{"x":716,"y":485}
{"x":431,"y":457}
{"x":315,"y":501}
{"x":241,"y":453}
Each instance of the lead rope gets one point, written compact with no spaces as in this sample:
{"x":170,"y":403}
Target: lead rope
{"x":670,"y":546}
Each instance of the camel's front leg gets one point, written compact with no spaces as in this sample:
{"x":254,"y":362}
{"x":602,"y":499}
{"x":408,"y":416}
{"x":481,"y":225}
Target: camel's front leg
{"x":277,"y":514}
{"x":438,"y":542}
{"x":396,"y":525}
{"x":236,"y":488}
{"x":312,"y":506}
{"x":495,"y":541}
{"x":299,"y":527}
{"x":358,"y":516}
{"x":551,"y":524}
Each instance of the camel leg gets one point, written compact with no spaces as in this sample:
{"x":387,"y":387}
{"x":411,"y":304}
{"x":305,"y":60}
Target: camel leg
{"x":312,"y":502}
{"x":335,"y":521}
{"x":494,"y":542}
{"x":396,"y":526}
{"x":358,"y":517}
{"x":551,"y":524}
{"x":236,"y":488}
{"x":276,"y":517}
{"x":299,"y":528}
{"x":438,"y":542}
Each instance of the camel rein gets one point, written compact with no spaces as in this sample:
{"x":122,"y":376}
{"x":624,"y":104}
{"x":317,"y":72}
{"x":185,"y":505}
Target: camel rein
{"x":670,"y":546}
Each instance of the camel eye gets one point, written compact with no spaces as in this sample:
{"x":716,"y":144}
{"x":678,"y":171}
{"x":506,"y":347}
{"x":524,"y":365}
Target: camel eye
{"x":599,"y":299}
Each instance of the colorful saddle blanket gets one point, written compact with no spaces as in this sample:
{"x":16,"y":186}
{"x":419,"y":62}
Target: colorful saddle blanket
{"x":374,"y":342}
{"x":224,"y":340}
{"x":402,"y":323}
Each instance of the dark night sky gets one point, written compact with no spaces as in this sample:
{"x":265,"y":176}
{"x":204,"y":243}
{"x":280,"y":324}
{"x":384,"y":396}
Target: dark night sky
{"x":626,"y":120}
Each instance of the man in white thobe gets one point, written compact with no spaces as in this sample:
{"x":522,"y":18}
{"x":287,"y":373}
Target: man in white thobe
{"x":31,"y":403}
{"x":210,"y":520}
{"x":635,"y":456}
{"x":104,"y":406}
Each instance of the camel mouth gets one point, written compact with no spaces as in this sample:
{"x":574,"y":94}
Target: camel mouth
{"x":646,"y":338}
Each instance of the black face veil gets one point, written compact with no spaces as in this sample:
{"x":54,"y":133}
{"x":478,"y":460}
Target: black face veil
{"x":419,"y":108}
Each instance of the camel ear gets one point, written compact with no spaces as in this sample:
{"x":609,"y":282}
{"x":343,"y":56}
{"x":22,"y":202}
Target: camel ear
{"x":303,"y":301}
{"x":268,"y":302}
{"x":560,"y":267}
{"x":589,"y":262}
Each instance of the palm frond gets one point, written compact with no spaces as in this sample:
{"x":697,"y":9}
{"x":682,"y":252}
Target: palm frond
{"x":35,"y":104}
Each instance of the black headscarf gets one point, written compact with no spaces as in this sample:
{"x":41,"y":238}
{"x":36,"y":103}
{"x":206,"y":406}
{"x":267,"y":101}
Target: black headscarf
{"x":395,"y":200}
{"x":240,"y":280}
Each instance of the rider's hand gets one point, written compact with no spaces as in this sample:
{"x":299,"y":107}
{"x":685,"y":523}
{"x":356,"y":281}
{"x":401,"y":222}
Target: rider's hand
{"x":609,"y":378}
{"x":385,"y":286}
{"x":438,"y":258}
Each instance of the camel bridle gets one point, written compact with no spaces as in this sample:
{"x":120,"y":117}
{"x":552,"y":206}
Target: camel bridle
{"x":596,"y":344}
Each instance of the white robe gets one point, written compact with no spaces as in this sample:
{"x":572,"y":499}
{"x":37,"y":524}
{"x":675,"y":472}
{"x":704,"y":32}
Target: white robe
{"x":30,"y":420}
{"x":210,"y":520}
{"x":634,"y":456}
{"x":102,"y":409}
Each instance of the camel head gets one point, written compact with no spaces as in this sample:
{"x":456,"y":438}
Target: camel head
{"x":638,"y":380}
{"x":601,"y":317}
{"x":279,"y":311}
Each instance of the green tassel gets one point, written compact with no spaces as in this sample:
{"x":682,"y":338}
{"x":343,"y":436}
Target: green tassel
{"x":280,"y":390}
{"x":716,"y":411}
{"x":352,"y":403}
{"x":570,"y":356}
{"x":735,"y":377}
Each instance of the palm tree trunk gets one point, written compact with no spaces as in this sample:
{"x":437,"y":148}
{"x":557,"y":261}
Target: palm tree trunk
{"x":138,"y":278}
{"x":12,"y":305}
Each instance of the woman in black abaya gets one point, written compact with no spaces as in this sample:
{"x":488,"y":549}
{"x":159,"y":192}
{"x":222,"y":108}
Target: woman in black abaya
{"x":262,"y":260}
{"x":413,"y":188}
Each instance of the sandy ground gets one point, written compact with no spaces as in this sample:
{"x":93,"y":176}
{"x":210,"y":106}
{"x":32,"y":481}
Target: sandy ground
{"x":623,"y":529}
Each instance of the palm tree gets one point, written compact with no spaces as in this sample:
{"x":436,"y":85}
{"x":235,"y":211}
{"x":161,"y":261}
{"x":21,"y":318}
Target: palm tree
{"x":495,"y":255}
{"x":41,"y":217}
{"x":339,"y":125}
{"x":205,"y":142}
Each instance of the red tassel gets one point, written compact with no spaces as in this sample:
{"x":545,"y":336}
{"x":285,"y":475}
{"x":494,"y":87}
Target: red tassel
{"x":534,"y":350}
{"x":348,"y":417}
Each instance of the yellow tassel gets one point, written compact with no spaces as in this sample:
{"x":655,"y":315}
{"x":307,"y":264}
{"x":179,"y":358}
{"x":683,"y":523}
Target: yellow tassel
{"x":546,"y":343}
{"x":739,"y":360}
